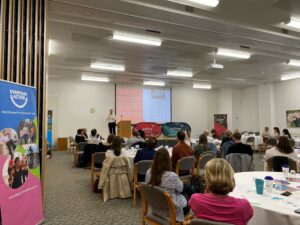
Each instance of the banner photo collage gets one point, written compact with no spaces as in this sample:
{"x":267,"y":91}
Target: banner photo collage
{"x":20,"y":186}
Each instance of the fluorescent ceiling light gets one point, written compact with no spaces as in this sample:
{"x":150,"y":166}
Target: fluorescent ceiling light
{"x":93,"y":78}
{"x":233,"y":53}
{"x":293,"y":23}
{"x":211,"y":3}
{"x":179,"y":73}
{"x":154,"y":83}
{"x":202,"y":86}
{"x":290,"y":76}
{"x":293,"y":62}
{"x":235,"y":79}
{"x":104,"y":66}
{"x":50,"y":47}
{"x":137,"y":39}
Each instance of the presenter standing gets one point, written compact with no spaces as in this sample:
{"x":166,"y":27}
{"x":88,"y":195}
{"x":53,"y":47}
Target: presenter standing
{"x":111,"y":118}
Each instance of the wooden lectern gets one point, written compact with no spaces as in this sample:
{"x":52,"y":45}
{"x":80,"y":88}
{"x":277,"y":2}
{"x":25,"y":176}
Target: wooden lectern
{"x":124,"y":128}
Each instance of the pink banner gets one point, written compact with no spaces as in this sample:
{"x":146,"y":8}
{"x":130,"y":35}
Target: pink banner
{"x":150,"y":129}
{"x":22,"y":205}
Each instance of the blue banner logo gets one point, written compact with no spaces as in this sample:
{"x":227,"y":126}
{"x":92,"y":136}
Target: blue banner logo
{"x":18,"y":98}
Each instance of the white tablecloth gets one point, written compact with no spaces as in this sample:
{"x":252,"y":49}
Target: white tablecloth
{"x":257,"y":140}
{"x":269,"y":208}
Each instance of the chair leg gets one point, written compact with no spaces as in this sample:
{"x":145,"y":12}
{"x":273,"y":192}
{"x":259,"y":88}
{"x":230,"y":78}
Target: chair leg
{"x":92,"y":180}
{"x":134,"y":197}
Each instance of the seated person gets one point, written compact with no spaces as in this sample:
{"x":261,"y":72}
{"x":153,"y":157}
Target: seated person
{"x":227,"y":138}
{"x":286,"y":133}
{"x":161,"y":175}
{"x":266,"y":134}
{"x":105,"y":145}
{"x":214,"y":134}
{"x":146,"y":154}
{"x":116,"y":146}
{"x":215,"y":204}
{"x":203,"y":146}
{"x":94,"y":134}
{"x":180,"y":150}
{"x":209,"y":139}
{"x":134,"y":139}
{"x":239,"y":147}
{"x":79,"y":136}
{"x":85,"y":133}
{"x":283,"y":148}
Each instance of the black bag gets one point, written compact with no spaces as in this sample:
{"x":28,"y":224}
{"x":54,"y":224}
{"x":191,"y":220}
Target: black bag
{"x":198,"y":184}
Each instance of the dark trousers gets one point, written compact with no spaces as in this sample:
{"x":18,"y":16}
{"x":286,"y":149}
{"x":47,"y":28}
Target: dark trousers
{"x":112,"y":128}
{"x":187,"y":193}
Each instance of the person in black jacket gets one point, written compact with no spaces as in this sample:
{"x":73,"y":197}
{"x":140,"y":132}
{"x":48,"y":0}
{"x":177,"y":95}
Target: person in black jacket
{"x":239,"y":147}
{"x":79,"y":136}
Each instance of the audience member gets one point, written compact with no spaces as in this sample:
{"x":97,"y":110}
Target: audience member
{"x":79,"y":136}
{"x":214,"y":134}
{"x":266,"y":134}
{"x":227,"y":137}
{"x":239,"y":147}
{"x":85,"y":133}
{"x":215,"y":204}
{"x":276,"y":133}
{"x":161,"y":175}
{"x":283,"y":148}
{"x":105,"y":145}
{"x":286,"y":133}
{"x":235,"y":131}
{"x":94,"y":134}
{"x":204,"y":146}
{"x":116,"y":148}
{"x":187,"y":138}
{"x":134,"y":139}
{"x":142,"y":134}
{"x":180,"y":150}
{"x":146,"y":154}
{"x":209,"y":139}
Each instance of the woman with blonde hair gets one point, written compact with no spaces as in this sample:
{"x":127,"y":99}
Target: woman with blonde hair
{"x":215,"y":204}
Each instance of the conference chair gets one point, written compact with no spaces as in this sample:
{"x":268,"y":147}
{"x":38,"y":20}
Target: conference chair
{"x":185,"y":164}
{"x":140,"y":168}
{"x":292,"y":143}
{"x":240,"y":162}
{"x":250,"y":141}
{"x":199,"y":221}
{"x":72,"y":143}
{"x":79,"y":150}
{"x":203,"y":159}
{"x":271,"y":143}
{"x":96,"y":165}
{"x":160,"y":201}
{"x":275,"y":163}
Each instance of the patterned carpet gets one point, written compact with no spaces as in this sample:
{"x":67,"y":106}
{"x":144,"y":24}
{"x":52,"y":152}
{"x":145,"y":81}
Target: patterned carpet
{"x":70,"y":200}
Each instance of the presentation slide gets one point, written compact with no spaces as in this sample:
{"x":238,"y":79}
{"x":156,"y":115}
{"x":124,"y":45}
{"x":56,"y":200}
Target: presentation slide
{"x":141,"y":104}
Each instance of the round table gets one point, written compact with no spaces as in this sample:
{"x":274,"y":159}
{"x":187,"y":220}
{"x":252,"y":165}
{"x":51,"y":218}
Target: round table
{"x":269,"y":208}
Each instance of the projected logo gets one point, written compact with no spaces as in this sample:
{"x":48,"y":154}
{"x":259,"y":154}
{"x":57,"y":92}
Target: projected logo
{"x":18,"y":98}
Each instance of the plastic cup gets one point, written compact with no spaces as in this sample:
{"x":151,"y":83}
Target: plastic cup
{"x":285,"y":170}
{"x":269,"y":183}
{"x":259,"y":183}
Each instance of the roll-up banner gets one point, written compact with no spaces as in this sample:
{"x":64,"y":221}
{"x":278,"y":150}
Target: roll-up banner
{"x":150,"y":129}
{"x":170,"y":129}
{"x":20,"y":186}
{"x":220,"y":123}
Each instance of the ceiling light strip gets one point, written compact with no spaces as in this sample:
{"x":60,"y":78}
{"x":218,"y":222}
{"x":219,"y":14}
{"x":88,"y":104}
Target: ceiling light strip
{"x":202,"y":86}
{"x":93,"y":78}
{"x":179,"y":73}
{"x":104,"y":66}
{"x":154,"y":83}
{"x":138,"y":40}
{"x":233,"y":53}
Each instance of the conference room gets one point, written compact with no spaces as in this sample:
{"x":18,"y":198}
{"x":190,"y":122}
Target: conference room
{"x":144,"y":95}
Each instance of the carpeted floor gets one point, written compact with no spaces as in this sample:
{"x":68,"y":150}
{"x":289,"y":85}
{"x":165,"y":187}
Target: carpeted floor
{"x":70,"y":200}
